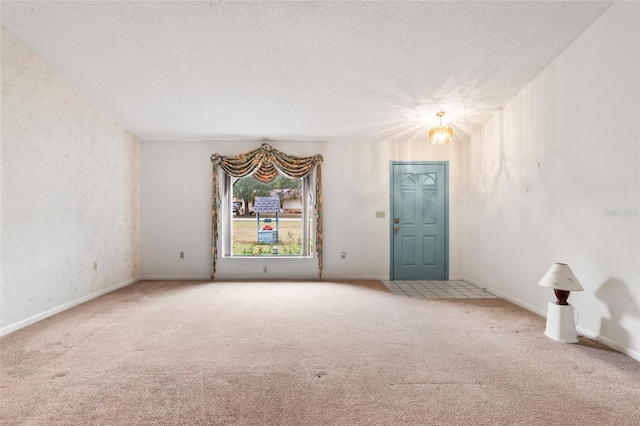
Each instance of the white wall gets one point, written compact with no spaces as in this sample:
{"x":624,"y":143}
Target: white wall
{"x":176,"y":208}
{"x":542,"y":174}
{"x":70,"y":193}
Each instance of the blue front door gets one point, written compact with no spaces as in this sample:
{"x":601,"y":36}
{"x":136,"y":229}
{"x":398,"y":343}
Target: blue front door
{"x":419,"y":221}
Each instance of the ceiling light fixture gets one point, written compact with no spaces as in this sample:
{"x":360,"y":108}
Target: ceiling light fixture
{"x":441,"y":134}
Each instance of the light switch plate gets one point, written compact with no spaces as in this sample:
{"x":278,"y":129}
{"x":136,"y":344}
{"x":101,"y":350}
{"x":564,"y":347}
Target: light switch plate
{"x":379,"y":215}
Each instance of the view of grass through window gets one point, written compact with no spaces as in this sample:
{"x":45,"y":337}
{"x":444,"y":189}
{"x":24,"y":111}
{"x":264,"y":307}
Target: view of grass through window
{"x":273,"y":233}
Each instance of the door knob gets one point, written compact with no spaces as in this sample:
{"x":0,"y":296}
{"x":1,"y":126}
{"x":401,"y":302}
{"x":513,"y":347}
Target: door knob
{"x":397,"y":228}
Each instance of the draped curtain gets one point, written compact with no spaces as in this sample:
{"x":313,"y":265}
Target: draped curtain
{"x":266,"y":163}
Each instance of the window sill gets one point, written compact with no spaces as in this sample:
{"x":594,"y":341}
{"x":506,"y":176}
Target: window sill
{"x":266,"y":256}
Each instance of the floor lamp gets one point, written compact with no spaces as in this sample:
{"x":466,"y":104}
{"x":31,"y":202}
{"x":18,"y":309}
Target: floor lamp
{"x":561,"y":325}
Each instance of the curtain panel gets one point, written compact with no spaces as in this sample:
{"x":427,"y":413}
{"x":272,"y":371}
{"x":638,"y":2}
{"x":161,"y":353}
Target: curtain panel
{"x":266,"y":163}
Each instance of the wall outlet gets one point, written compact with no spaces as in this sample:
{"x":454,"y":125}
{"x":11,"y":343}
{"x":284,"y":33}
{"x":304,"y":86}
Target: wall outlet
{"x":95,"y":266}
{"x":379,"y":215}
{"x":264,"y":269}
{"x":181,"y":255}
{"x":343,"y":255}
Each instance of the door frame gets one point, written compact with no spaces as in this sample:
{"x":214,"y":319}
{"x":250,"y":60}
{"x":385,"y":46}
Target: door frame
{"x":446,"y":210}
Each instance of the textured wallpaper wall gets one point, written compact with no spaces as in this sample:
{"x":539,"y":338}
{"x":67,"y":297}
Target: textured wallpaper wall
{"x":70,"y":191}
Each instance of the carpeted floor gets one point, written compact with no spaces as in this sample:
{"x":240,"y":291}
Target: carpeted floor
{"x":314,"y":353}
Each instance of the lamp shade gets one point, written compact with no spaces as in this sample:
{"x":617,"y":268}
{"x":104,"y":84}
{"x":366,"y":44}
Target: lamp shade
{"x":561,"y":277}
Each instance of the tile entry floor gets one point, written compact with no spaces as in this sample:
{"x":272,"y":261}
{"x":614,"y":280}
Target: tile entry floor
{"x":436,"y":289}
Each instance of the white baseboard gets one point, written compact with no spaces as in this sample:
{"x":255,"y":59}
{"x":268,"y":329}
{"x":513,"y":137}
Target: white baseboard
{"x":175,"y":277}
{"x":543,"y":313}
{"x":354,"y":277}
{"x":608,"y":342}
{"x":263,"y":278}
{"x":31,"y":320}
{"x":268,"y":277}
{"x":505,"y":296}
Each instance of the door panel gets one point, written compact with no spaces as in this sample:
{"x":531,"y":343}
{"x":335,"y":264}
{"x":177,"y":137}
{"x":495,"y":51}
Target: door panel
{"x":429,"y":204}
{"x":429,"y":250}
{"x":419,"y":227}
{"x":409,"y":206}
{"x":408,"y":250}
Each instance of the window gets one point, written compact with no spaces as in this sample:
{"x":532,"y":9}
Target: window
{"x":270,"y":219}
{"x":265,"y":163}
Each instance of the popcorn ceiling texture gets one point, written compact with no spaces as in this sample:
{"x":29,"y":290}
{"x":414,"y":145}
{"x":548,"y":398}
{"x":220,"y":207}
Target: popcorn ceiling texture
{"x":70,"y":191}
{"x":298,"y":70}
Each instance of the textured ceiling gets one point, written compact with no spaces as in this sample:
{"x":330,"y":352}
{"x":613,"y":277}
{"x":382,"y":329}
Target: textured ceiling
{"x":298,"y":70}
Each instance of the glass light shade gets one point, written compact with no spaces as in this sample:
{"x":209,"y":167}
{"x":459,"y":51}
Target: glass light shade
{"x":561,"y":277}
{"x":440,"y":135}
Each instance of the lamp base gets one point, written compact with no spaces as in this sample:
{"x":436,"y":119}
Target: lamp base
{"x":561,"y":323}
{"x":562,"y":296}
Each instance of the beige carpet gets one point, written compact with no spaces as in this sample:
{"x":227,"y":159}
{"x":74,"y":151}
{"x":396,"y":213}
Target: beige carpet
{"x":201,"y":353}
